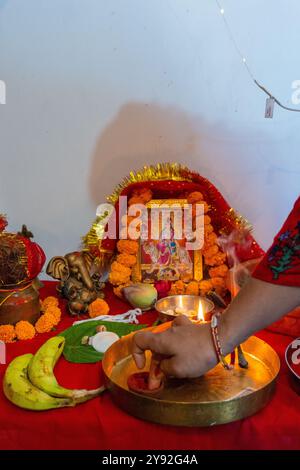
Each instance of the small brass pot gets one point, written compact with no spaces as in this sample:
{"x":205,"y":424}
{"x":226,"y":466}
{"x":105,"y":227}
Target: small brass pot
{"x":19,"y":305}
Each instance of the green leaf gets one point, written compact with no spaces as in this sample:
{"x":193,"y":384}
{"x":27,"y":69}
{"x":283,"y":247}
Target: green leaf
{"x":74,"y":351}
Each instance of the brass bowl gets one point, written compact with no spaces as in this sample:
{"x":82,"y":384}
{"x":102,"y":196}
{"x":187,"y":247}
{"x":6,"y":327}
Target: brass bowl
{"x":187,"y":302}
{"x":218,"y":397}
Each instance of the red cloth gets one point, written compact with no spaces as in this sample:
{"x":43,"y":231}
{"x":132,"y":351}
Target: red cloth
{"x":99,"y":424}
{"x":281,"y":263}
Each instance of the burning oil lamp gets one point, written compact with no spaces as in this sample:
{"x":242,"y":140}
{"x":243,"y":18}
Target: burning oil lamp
{"x":197,"y":309}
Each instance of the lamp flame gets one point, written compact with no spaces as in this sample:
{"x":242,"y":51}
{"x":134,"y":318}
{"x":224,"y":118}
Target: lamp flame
{"x":200,"y":316}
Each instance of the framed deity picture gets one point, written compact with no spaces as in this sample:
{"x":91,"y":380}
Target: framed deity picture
{"x":163,"y":255}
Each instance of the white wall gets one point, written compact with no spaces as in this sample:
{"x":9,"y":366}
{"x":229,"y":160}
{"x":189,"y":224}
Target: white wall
{"x":96,"y":88}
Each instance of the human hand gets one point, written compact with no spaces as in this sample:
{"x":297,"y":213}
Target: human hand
{"x":185,"y":349}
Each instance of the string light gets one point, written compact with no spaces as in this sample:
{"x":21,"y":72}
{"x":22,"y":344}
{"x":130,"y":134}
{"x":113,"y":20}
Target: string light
{"x":244,"y":61}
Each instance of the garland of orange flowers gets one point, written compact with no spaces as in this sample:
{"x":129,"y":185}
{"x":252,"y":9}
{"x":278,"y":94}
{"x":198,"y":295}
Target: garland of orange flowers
{"x":123,"y":269}
{"x":51,"y":316}
{"x":24,"y":330}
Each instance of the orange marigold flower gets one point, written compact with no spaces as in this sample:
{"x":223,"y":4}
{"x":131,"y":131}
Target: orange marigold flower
{"x":192,"y":288}
{"x":24,"y":330}
{"x":118,"y":290}
{"x":116,"y":278}
{"x":120,"y":268}
{"x":178,"y":287}
{"x":210,"y":239}
{"x":7,"y":333}
{"x":128,"y":246}
{"x":211,"y":251}
{"x":216,"y":260}
{"x":218,"y":282}
{"x":135,"y":200}
{"x":206,"y":208}
{"x":219,"y":271}
{"x":219,"y":285}
{"x":208,"y":229}
{"x":145,"y":194}
{"x":126,"y":260}
{"x":49,"y":301}
{"x":195,"y":196}
{"x":205,"y":286}
{"x":98,"y":307}
{"x":55,"y":312}
{"x":207,"y":220}
{"x":45,"y":323}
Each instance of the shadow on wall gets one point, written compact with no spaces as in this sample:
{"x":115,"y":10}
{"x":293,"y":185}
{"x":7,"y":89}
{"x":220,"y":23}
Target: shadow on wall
{"x":145,"y":134}
{"x":239,"y":164}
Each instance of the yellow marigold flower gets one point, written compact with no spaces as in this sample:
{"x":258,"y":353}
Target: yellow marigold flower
{"x":24,"y":330}
{"x":44,"y":324}
{"x":192,"y":288}
{"x":128,"y":246}
{"x":126,"y":260}
{"x":49,"y":301}
{"x":195,"y":196}
{"x":98,"y":307}
{"x":205,"y":286}
{"x":55,"y":312}
{"x":7,"y":333}
{"x":219,"y":271}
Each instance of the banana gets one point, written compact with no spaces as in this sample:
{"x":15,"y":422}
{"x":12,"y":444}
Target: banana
{"x":21,"y":392}
{"x":40,"y":372}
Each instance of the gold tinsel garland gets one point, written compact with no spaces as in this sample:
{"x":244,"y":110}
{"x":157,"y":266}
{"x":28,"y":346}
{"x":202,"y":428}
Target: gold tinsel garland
{"x":158,"y":172}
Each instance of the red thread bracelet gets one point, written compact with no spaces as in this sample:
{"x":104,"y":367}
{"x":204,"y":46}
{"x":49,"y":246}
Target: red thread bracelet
{"x":215,"y":336}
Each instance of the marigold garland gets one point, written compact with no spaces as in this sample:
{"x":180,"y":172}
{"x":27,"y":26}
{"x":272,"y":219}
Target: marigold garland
{"x":124,"y":268}
{"x":44,"y":324}
{"x":24,"y":330}
{"x":50,"y":301}
{"x":55,"y":313}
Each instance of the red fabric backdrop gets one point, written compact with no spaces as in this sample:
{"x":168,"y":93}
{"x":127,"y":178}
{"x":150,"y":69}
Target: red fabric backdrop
{"x":99,"y":424}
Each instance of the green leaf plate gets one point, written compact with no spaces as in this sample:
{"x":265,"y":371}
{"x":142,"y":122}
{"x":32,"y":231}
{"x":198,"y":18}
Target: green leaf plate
{"x":74,"y":351}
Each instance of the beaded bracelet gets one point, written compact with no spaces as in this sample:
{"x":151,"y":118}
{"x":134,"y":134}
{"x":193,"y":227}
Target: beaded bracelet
{"x":215,"y":335}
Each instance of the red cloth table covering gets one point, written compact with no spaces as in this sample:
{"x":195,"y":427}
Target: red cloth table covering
{"x":99,"y":424}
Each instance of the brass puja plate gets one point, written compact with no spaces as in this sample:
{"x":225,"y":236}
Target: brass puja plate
{"x":220,"y":396}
